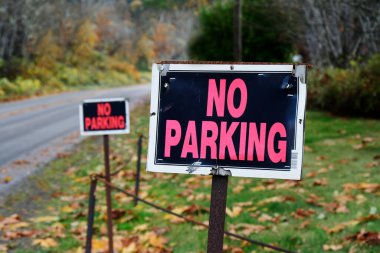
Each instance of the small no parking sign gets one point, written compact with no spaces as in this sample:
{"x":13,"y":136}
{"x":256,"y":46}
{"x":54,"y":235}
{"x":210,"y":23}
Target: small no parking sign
{"x":104,"y":116}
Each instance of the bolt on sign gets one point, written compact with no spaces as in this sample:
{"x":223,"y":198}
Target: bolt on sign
{"x":104,"y":116}
{"x":245,"y":118}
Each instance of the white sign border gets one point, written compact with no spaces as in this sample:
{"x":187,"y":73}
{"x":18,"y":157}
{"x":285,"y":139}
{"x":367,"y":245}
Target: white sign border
{"x":294,"y":173}
{"x":106,"y":132}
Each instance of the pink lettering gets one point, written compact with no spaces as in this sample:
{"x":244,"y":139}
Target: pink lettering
{"x":237,"y":84}
{"x":213,"y":97}
{"x":226,"y":140}
{"x":172,"y":140}
{"x":243,"y":140}
{"x":279,"y":156}
{"x":190,"y":144}
{"x":255,"y":142}
{"x":209,"y":141}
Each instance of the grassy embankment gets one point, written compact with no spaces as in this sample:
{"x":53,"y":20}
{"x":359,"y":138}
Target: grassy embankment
{"x":334,"y":208}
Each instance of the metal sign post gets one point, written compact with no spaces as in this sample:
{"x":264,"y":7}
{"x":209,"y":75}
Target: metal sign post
{"x":217,"y":214}
{"x":138,"y":168}
{"x":108,"y":192}
{"x":104,"y":117}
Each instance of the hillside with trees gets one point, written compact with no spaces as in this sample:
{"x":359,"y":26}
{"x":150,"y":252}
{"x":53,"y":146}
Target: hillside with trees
{"x":48,"y":46}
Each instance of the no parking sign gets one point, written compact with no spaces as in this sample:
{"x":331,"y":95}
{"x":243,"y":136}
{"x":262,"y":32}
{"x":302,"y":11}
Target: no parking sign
{"x":245,"y":118}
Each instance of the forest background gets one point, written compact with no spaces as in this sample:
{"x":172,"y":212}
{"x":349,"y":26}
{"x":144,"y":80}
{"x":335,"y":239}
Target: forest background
{"x":53,"y":46}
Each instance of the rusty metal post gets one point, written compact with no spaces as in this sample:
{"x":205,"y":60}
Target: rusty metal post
{"x":217,"y":214}
{"x":108,"y":192}
{"x":138,"y":167}
{"x":90,"y":217}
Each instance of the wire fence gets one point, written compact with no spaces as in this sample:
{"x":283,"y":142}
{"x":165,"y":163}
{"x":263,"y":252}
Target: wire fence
{"x":95,"y":178}
{"x":134,"y":196}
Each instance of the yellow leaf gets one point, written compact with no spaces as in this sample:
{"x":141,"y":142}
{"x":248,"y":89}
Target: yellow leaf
{"x":157,"y":241}
{"x":45,"y":243}
{"x":18,"y":225}
{"x":332,"y":247}
{"x":238,"y":188}
{"x":7,"y":179}
{"x":173,"y":219}
{"x":132,"y":248}
{"x":141,"y":228}
{"x":46,"y":219}
{"x":68,"y":209}
{"x":236,"y":211}
{"x":100,"y":244}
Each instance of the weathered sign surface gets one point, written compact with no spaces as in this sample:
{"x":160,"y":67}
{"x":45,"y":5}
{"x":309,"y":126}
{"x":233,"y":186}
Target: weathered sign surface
{"x":248,"y":119}
{"x":104,"y":116}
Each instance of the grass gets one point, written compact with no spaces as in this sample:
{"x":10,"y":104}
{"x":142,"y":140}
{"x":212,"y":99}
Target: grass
{"x":336,"y":200}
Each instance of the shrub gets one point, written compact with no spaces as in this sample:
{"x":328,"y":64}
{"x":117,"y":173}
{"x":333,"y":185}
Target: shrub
{"x":7,"y":87}
{"x":354,"y":91}
{"x":27,"y":86}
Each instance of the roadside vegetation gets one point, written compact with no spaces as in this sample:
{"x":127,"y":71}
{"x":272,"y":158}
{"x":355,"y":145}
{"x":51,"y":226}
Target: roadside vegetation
{"x":50,"y":47}
{"x":333,"y":209}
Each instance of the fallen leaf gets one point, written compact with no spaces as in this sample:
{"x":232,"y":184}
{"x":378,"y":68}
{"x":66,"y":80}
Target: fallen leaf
{"x":342,"y":209}
{"x":314,"y":200}
{"x":157,"y":241}
{"x":311,"y":174}
{"x":141,"y":228}
{"x":335,"y":207}
{"x":14,"y":218}
{"x":275,"y":199}
{"x":358,"y":146}
{"x":320,"y":182}
{"x":367,"y":140}
{"x":236,"y":211}
{"x":44,"y":219}
{"x":173,"y":219}
{"x":244,"y":204}
{"x":307,"y":148}
{"x":304,"y":224}
{"x":265,"y":217}
{"x":320,"y":158}
{"x":7,"y":179}
{"x":370,"y":217}
{"x":3,"y":248}
{"x":332,"y":247}
{"x":100,"y":245}
{"x":238,"y":188}
{"x":247,"y":229}
{"x":372,"y":164}
{"x":302,"y":213}
{"x":339,"y":227}
{"x":367,"y":237}
{"x":117,"y":213}
{"x":45,"y":243}
{"x":366,"y":187}
{"x":131,"y":248}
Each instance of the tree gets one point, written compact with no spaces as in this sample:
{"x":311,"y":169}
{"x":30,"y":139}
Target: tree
{"x":264,"y":36}
{"x":334,"y":32}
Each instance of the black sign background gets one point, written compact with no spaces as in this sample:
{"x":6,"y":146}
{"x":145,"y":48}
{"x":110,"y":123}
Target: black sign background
{"x":183,"y":97}
{"x":90,"y":109}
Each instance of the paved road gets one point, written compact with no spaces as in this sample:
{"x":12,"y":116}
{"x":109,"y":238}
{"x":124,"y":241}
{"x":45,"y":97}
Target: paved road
{"x":28,"y":125}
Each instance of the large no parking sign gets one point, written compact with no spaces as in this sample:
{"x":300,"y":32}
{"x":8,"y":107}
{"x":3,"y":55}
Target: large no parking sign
{"x":245,"y":118}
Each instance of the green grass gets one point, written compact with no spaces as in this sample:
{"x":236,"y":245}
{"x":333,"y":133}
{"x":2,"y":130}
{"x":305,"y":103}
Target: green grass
{"x":338,"y":151}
